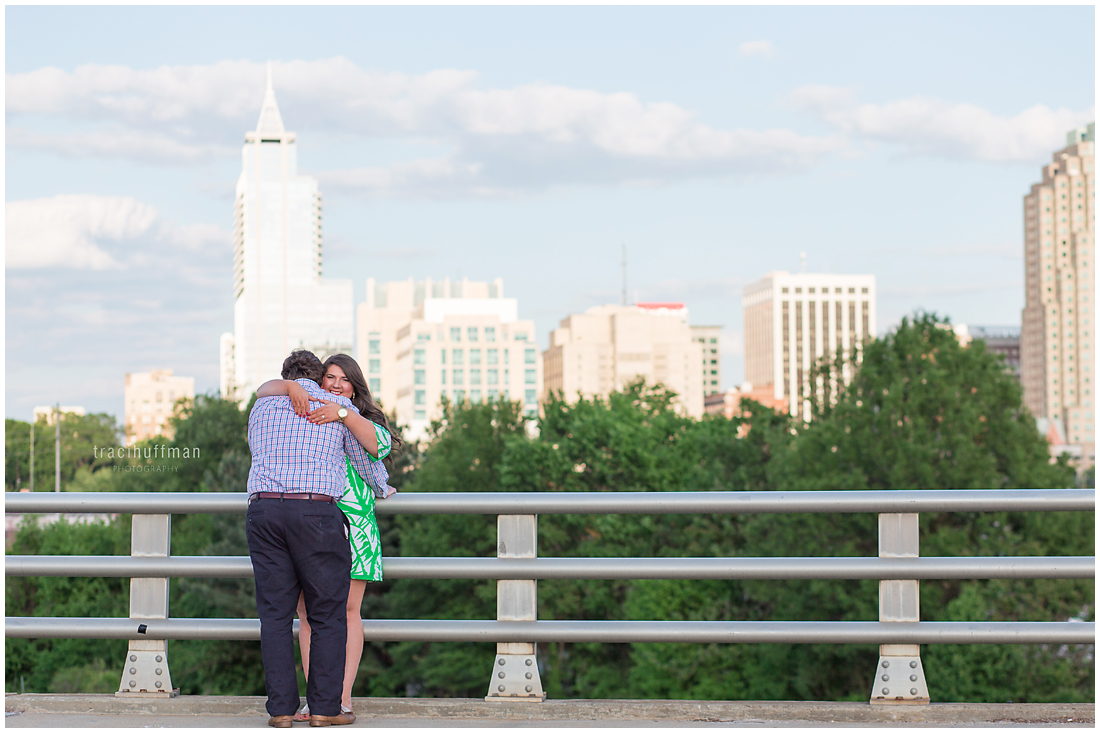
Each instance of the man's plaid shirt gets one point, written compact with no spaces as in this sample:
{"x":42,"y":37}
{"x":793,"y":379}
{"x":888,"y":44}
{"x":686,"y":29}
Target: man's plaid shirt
{"x":291,"y":454}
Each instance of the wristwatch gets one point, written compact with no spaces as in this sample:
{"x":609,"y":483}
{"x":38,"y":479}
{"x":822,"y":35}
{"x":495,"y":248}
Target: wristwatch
{"x":342,"y":413}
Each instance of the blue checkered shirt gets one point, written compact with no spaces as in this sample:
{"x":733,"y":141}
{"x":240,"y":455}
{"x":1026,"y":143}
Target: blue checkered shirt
{"x":291,"y":454}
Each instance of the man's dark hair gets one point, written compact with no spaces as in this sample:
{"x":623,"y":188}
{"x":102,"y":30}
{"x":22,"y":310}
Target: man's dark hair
{"x":302,"y":364}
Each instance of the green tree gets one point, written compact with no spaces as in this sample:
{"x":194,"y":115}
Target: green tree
{"x":82,"y":439}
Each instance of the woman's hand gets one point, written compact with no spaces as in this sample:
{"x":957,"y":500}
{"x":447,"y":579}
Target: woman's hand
{"x":299,"y":398}
{"x":326,"y":413}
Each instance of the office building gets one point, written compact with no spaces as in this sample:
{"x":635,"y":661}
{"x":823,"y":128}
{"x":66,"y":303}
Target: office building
{"x":1059,"y":319}
{"x":1001,"y":340}
{"x":792,"y":321}
{"x":48,"y":412}
{"x":150,"y":399}
{"x":729,"y":404}
{"x":711,"y":339}
{"x":282,"y":301}
{"x":420,"y":341}
{"x":606,"y":347}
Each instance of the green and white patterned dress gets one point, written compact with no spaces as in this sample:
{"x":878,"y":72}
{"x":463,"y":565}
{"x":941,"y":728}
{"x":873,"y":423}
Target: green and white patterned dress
{"x":358,"y":506}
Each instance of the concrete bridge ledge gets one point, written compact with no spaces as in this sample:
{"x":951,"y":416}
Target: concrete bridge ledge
{"x":217,"y":711}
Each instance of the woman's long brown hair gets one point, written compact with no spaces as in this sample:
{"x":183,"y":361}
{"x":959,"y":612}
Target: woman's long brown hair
{"x":361,"y":396}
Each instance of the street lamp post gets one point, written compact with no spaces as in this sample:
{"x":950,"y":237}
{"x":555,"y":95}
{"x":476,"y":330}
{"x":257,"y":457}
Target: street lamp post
{"x":57,"y":452}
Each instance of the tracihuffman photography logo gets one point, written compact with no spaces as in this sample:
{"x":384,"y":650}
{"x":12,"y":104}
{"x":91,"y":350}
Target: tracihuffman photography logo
{"x":147,"y":451}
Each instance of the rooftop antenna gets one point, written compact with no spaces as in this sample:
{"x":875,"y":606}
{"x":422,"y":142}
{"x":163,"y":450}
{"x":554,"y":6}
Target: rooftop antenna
{"x":270,"y":85}
{"x":624,"y":274}
{"x":802,"y":260}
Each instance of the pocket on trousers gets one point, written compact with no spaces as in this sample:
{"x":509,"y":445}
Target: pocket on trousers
{"x":324,"y":522}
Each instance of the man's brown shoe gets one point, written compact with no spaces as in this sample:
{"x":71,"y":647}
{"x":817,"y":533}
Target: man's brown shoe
{"x":281,"y":721}
{"x":346,"y":717}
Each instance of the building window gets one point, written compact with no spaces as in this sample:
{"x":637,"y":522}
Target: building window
{"x":423,"y":337}
{"x":375,"y":347}
{"x":784,"y":290}
{"x":490,"y":356}
{"x":475,"y":395}
{"x":419,"y":357}
{"x":529,"y":376}
{"x":418,"y":377}
{"x":458,"y":377}
{"x":475,"y":356}
{"x":160,"y":396}
{"x":375,"y":385}
{"x":530,"y":397}
{"x":521,"y":337}
{"x":420,"y":415}
{"x":528,"y":356}
{"x":456,"y":333}
{"x":419,"y":397}
{"x":460,"y":395}
{"x":865,"y":291}
{"x":493,"y":394}
{"x":375,"y":366}
{"x":456,"y":357}
{"x":443,"y":376}
{"x":471,"y":333}
{"x":475,"y":376}
{"x":490,"y":333}
{"x":851,"y":291}
{"x":490,"y":376}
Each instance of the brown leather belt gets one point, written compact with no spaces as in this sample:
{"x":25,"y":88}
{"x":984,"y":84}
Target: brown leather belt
{"x":289,"y":495}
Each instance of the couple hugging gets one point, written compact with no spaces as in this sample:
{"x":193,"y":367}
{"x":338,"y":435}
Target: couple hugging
{"x":317,"y":442}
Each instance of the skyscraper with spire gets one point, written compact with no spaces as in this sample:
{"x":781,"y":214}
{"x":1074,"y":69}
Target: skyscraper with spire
{"x":282,"y":300}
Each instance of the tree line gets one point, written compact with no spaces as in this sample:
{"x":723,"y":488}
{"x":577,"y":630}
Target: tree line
{"x":920,"y":412}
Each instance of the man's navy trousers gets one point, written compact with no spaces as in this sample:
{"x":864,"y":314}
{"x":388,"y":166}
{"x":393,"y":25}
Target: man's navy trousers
{"x":301,"y":546}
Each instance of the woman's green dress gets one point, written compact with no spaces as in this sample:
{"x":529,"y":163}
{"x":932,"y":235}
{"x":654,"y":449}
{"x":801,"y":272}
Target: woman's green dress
{"x":358,"y":506}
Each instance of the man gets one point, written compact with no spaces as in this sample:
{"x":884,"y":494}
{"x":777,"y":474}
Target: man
{"x":298,"y":543}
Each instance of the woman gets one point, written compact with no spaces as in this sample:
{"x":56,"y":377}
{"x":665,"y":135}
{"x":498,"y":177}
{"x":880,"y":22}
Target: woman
{"x":342,"y":376}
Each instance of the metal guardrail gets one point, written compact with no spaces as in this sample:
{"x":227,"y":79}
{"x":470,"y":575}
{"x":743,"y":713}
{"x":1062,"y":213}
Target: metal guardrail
{"x":623,"y":502}
{"x":586,"y":568}
{"x":517,"y":568}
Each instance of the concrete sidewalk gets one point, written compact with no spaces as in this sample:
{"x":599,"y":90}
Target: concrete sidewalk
{"x":200,"y":711}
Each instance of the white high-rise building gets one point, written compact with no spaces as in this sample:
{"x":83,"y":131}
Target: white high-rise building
{"x":608,"y":346}
{"x":282,"y":301}
{"x":792,"y":321}
{"x":463,"y":340}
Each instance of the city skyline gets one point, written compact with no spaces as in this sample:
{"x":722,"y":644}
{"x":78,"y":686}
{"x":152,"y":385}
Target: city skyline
{"x":493,"y":153}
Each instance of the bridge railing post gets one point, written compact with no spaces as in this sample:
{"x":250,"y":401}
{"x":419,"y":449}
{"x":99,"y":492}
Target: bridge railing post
{"x":145,"y":673}
{"x":515,"y":673}
{"x":899,"y":676}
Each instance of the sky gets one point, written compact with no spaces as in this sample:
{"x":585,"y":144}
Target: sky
{"x":526,"y":143}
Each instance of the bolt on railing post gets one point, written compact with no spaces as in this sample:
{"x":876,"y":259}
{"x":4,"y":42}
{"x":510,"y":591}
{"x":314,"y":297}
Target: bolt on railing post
{"x":899,"y":676}
{"x":515,"y":673}
{"x":145,"y":673}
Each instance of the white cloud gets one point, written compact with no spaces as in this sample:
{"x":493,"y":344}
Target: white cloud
{"x":119,"y":143}
{"x":503,"y":140}
{"x":945,"y":129}
{"x":756,"y":48}
{"x":86,"y":232}
{"x":66,"y":231}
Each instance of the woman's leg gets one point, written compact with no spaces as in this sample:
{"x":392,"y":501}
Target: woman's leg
{"x":303,"y":638}
{"x":355,"y":637}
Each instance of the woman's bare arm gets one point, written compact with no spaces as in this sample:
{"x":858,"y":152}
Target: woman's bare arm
{"x":360,"y":427}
